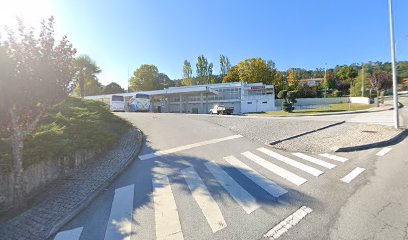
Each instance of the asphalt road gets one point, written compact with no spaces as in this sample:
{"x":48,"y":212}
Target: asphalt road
{"x":193,"y":182}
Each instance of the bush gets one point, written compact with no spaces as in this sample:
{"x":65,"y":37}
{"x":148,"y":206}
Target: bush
{"x":337,"y":93}
{"x":73,"y":125}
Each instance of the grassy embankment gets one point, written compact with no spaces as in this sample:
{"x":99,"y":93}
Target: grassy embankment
{"x":333,"y":108}
{"x":73,"y":125}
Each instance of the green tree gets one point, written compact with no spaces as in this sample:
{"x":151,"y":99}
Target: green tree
{"x":35,"y":74}
{"x":145,"y":78}
{"x":346,"y":76}
{"x":289,"y":100}
{"x":225,"y":65}
{"x":85,"y":74}
{"x":187,"y":74}
{"x":113,"y":88}
{"x":164,"y":81}
{"x":204,"y":70}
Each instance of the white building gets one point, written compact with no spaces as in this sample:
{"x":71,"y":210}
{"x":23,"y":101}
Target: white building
{"x":244,"y":97}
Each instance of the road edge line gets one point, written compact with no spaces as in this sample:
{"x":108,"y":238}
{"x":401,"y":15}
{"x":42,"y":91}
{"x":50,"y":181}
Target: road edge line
{"x":289,"y":222}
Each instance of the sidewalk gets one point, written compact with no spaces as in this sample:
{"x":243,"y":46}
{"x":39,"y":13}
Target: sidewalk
{"x":70,"y":195}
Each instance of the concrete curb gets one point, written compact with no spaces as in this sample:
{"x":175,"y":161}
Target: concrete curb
{"x":57,"y":226}
{"x":305,"y":133}
{"x":334,"y":113}
{"x":396,"y":139}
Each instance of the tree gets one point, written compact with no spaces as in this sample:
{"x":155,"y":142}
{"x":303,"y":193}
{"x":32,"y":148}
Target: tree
{"x":35,"y":74}
{"x":346,"y":76}
{"x":380,"y":80}
{"x":225,"y":65}
{"x":85,"y":74}
{"x":91,"y":87}
{"x":204,"y":71}
{"x":113,"y":88}
{"x":293,"y":82}
{"x":232,"y":76}
{"x":187,"y":74}
{"x":279,"y":82}
{"x":289,"y":99}
{"x":255,"y":70}
{"x":164,"y":81}
{"x":145,"y":78}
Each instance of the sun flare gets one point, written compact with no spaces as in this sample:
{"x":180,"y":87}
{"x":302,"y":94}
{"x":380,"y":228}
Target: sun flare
{"x":31,"y":12}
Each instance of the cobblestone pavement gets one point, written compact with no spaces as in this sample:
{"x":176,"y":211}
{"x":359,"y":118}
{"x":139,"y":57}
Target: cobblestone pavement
{"x":313,"y":135}
{"x":68,"y":195}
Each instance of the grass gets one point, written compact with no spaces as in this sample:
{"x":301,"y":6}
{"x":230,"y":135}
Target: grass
{"x":75,"y":124}
{"x":333,"y":108}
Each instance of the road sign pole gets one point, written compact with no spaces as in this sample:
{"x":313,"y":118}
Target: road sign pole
{"x":394,"y":71}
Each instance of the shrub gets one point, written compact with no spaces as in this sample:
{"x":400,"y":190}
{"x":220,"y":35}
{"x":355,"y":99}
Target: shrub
{"x":73,"y":125}
{"x":337,"y":93}
{"x":289,"y":99}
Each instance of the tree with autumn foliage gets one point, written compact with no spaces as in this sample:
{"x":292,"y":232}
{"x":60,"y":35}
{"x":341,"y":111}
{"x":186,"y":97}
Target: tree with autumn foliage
{"x":35,"y":74}
{"x":380,"y":81}
{"x":252,"y":70}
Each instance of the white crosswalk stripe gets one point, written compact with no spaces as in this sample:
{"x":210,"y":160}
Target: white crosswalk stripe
{"x":313,"y":171}
{"x":268,"y":185}
{"x":165,"y":210}
{"x":120,"y":218}
{"x":204,"y":200}
{"x":353,"y":174}
{"x":383,"y":151}
{"x":73,"y":234}
{"x":334,"y":157}
{"x":314,"y":160}
{"x":291,"y":177}
{"x":240,"y":195}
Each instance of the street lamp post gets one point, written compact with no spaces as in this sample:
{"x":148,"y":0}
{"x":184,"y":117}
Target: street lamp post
{"x":394,"y":71}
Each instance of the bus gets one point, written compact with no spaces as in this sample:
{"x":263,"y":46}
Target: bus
{"x":139,"y":103}
{"x":117,"y":103}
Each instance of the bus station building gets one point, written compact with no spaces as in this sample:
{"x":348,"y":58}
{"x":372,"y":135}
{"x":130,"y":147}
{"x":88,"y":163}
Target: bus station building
{"x":243,"y":97}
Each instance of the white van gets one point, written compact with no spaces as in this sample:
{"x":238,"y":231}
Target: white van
{"x":117,"y":103}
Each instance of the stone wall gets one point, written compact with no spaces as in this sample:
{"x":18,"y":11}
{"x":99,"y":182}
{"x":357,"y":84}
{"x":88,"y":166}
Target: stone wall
{"x":38,"y":176}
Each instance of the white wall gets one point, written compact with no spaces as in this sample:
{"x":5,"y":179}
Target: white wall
{"x":362,"y":100}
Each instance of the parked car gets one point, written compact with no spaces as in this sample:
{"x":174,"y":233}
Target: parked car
{"x":221,"y":110}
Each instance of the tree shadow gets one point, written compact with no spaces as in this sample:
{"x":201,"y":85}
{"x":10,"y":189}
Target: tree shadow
{"x":141,"y":174}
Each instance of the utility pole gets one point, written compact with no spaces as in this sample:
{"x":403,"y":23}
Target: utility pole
{"x":362,"y":81}
{"x":394,"y":71}
{"x":325,"y":80}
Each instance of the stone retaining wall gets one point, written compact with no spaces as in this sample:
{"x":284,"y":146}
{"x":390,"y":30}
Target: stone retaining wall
{"x":39,"y":175}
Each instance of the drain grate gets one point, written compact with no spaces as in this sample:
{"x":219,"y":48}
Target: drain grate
{"x":369,"y":131}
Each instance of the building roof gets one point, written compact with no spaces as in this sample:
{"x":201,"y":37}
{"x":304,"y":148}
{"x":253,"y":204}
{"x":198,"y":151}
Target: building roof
{"x":311,"y":79}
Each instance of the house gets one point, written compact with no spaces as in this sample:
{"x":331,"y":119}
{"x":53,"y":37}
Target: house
{"x":311,"y":82}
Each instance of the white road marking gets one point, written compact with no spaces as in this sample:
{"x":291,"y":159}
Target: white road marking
{"x":291,"y":177}
{"x":314,"y":160}
{"x":73,"y":234}
{"x":311,"y":170}
{"x":186,"y":147}
{"x":288,"y":223}
{"x":268,"y":185}
{"x":165,"y":210}
{"x":241,"y":196}
{"x":120,"y":218}
{"x":334,"y":157}
{"x":353,"y":174}
{"x":204,"y":200}
{"x":383,"y":151}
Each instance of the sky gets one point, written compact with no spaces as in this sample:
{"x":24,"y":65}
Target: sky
{"x":121,"y":35}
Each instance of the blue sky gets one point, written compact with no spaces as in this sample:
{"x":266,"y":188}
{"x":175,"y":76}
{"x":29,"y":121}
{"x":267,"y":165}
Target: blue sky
{"x":121,"y":35}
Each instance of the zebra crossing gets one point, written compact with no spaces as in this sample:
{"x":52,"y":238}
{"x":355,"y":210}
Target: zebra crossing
{"x":259,"y":167}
